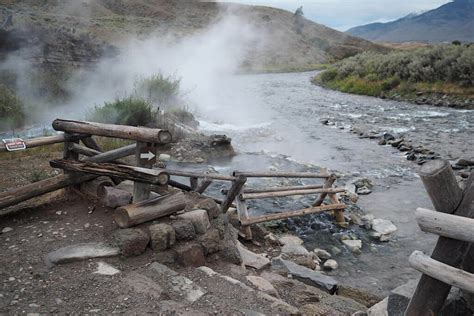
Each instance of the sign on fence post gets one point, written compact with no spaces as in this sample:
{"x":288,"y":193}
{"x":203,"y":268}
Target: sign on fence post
{"x":13,"y":144}
{"x":145,"y":156}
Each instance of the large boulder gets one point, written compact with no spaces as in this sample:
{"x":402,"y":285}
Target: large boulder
{"x":184,"y":229}
{"x":162,"y":236}
{"x":199,"y":218}
{"x":190,"y":254}
{"x":131,"y":241}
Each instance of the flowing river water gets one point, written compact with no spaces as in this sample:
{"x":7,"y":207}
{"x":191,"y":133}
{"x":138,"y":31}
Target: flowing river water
{"x":275,"y":123}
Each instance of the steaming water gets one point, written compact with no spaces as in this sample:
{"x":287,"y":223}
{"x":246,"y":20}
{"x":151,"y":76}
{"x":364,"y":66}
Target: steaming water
{"x":282,"y":130}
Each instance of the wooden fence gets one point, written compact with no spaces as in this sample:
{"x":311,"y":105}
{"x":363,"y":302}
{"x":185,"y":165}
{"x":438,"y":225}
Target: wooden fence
{"x":452,"y":261}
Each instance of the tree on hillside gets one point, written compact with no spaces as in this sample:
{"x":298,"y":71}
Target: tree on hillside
{"x":299,"y":20}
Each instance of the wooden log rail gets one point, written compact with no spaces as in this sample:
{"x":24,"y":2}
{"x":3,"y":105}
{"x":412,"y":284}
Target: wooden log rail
{"x":248,"y":196}
{"x":442,"y":272}
{"x":289,"y":214}
{"x":47,"y":140}
{"x":144,"y":134}
{"x":440,"y":183}
{"x":322,"y":175}
{"x":190,"y":174}
{"x":143,"y":175}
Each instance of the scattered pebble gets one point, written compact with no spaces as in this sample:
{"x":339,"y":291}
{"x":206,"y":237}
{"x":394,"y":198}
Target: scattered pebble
{"x":6,"y":230}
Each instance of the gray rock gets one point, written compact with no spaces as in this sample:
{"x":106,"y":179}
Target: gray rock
{"x":190,"y":254}
{"x":251,"y":259}
{"x":113,"y":197}
{"x":367,"y":220}
{"x":131,"y":241}
{"x":209,"y":205}
{"x":199,"y":218}
{"x":210,"y":241}
{"x":294,"y":249}
{"x":379,"y":309}
{"x":290,"y":240}
{"x":399,"y":298}
{"x":262,"y":285}
{"x":322,"y":254}
{"x":305,"y":275}
{"x":162,"y":236}
{"x":81,"y":252}
{"x":363,"y":191}
{"x":330,"y":264}
{"x":6,"y":230}
{"x":184,"y":229}
{"x":106,"y":269}
{"x":178,"y":285}
{"x":383,"y":228}
{"x":353,"y":245}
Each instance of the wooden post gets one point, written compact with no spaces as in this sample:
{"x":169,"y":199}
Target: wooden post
{"x":338,"y":213}
{"x":205,"y":183}
{"x":193,"y":183}
{"x":145,"y":155}
{"x":243,"y":214}
{"x":233,"y":192}
{"x":69,"y":154}
{"x":327,"y":185}
{"x":441,"y":185}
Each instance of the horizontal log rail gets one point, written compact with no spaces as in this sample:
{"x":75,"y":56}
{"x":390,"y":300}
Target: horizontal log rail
{"x":46,"y":140}
{"x":288,"y":188}
{"x":190,"y":174}
{"x":138,"y":174}
{"x":289,"y":214}
{"x":281,"y":175}
{"x":446,"y":225}
{"x":442,"y":272}
{"x":29,"y":191}
{"x":249,"y":196}
{"x":145,"y":134}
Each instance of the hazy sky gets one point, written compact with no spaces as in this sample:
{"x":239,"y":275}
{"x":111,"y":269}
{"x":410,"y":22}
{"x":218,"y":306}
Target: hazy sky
{"x":343,"y":14}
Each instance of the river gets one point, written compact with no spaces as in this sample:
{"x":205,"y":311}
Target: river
{"x":275,"y":123}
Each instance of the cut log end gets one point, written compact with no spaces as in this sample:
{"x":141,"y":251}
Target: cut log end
{"x":121,"y":218}
{"x":434,"y":167}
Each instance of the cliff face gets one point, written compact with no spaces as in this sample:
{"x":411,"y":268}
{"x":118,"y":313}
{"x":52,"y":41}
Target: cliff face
{"x":77,"y":33}
{"x":452,"y":21}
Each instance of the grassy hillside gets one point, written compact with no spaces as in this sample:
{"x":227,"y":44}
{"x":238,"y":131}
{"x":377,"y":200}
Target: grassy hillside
{"x":114,"y":21}
{"x":440,"y":75}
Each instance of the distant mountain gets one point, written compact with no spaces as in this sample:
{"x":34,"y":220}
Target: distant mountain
{"x":452,"y":21}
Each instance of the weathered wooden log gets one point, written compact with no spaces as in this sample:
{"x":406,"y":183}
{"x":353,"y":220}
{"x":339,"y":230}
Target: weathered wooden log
{"x":248,"y":196}
{"x":440,"y":183}
{"x":193,"y":183}
{"x":68,"y":154}
{"x":15,"y":196}
{"x":338,"y":213}
{"x":152,"y":176}
{"x":148,"y":210}
{"x":47,"y":140}
{"x":144,"y":134}
{"x":233,"y":192}
{"x":113,"y":155}
{"x":141,"y":191}
{"x":215,"y":176}
{"x":179,"y":185}
{"x":205,"y":183}
{"x":243,"y":214}
{"x":288,"y":214}
{"x":442,"y":272}
{"x":288,"y":188}
{"x":95,"y":187}
{"x":91,"y":143}
{"x":82,"y":150}
{"x":328,"y":184}
{"x":430,"y":294}
{"x":281,"y":174}
{"x":446,"y":225}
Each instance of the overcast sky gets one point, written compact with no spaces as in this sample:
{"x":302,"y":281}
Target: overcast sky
{"x":344,"y":14}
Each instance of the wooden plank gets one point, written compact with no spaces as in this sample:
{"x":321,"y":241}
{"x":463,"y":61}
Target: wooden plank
{"x":15,"y":196}
{"x":430,"y":294}
{"x":152,"y":176}
{"x":215,"y":176}
{"x":152,"y":135}
{"x":288,"y":188}
{"x":148,"y":210}
{"x":281,"y":174}
{"x":47,"y":140}
{"x":446,"y":225}
{"x":288,"y":214}
{"x":233,"y":192}
{"x":328,"y":184}
{"x":442,"y":272}
{"x":248,"y":196}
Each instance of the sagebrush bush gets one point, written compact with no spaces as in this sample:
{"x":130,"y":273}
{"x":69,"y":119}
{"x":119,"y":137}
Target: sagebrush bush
{"x":445,"y":63}
{"x":12,"y":113}
{"x":160,"y":90}
{"x":127,"y":111}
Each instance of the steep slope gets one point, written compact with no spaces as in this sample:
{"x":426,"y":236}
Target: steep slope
{"x":281,"y":47}
{"x":452,"y":21}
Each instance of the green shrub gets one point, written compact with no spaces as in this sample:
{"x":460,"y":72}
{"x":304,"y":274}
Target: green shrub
{"x":11,"y":109}
{"x":127,"y":111}
{"x":160,"y":90}
{"x":329,"y":75}
{"x":390,"y":83}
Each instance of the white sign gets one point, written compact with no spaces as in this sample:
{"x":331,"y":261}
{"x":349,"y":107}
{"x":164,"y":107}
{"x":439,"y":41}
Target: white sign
{"x":149,"y":155}
{"x":13,"y":144}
